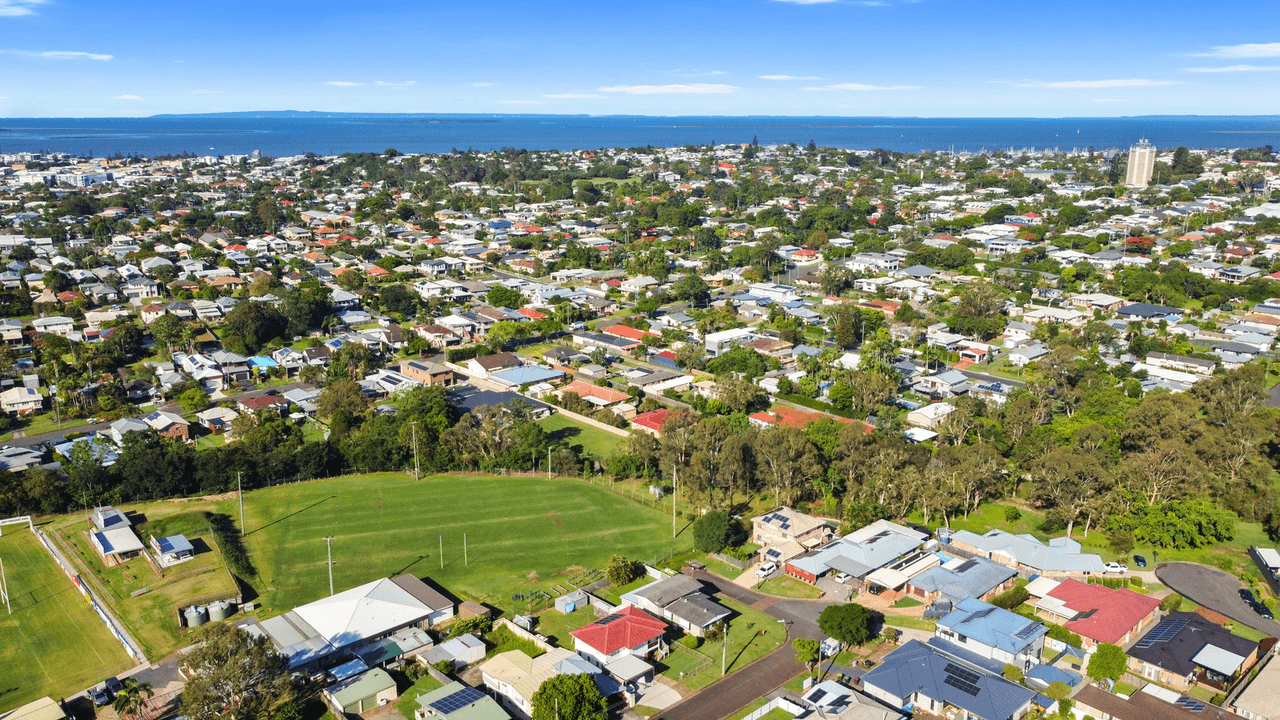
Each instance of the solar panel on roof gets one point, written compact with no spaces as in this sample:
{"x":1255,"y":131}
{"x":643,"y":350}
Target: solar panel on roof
{"x":1027,"y":631}
{"x":982,"y":613}
{"x":963,"y":673}
{"x":1164,"y":632}
{"x":456,"y":701}
{"x":786,"y":526}
{"x":1191,"y":704}
{"x":966,"y":565}
{"x":959,"y":684}
{"x":817,"y":695}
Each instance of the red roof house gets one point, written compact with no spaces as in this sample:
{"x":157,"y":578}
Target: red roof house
{"x":630,"y":631}
{"x":1099,"y":614}
{"x":651,"y":422}
{"x":531,"y":313}
{"x":594,"y":394}
{"x":628,"y":332}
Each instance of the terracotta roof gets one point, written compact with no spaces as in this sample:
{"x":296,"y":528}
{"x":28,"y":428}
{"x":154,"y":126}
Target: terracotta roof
{"x":531,"y":313}
{"x":585,"y":390}
{"x":624,"y":331}
{"x":793,"y":417}
{"x":627,"y":628}
{"x":1109,"y":614}
{"x":652,"y":419}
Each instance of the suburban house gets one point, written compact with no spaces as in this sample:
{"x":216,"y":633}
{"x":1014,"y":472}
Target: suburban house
{"x":514,"y":677}
{"x":930,"y":416}
{"x":935,"y":678}
{"x":173,"y":549}
{"x":360,"y":693}
{"x":1152,"y":702}
{"x":1060,"y":558}
{"x":630,"y":631}
{"x":486,"y":365}
{"x":783,"y":524}
{"x":681,"y":600}
{"x":593,"y":394}
{"x":427,"y":372}
{"x":651,"y":422}
{"x":456,"y":701}
{"x":1261,"y":697}
{"x":859,"y":553}
{"x":1096,"y":613}
{"x":1185,"y":648}
{"x":961,"y":578}
{"x":21,"y":400}
{"x":994,"y":633}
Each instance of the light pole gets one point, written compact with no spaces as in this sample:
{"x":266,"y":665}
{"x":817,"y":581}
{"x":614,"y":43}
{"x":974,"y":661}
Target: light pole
{"x":724,"y":649}
{"x":328,"y":544}
{"x":417,"y":469}
{"x":240,"y":495}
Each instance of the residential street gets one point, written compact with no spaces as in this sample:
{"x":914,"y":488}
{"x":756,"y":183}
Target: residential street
{"x":736,"y":691}
{"x":1215,"y":590}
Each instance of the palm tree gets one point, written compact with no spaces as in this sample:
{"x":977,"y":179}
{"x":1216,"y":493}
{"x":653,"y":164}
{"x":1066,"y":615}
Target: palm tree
{"x":133,"y":697}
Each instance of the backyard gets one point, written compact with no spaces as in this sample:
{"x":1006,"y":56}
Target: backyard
{"x":752,"y":634}
{"x":53,"y":643}
{"x":593,"y":441}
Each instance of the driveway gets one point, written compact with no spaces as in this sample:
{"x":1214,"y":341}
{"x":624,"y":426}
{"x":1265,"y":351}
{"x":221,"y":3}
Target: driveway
{"x":1215,"y":590}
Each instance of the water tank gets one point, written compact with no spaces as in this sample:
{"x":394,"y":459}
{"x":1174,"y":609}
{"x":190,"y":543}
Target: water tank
{"x":196,"y":616}
{"x":220,"y":610}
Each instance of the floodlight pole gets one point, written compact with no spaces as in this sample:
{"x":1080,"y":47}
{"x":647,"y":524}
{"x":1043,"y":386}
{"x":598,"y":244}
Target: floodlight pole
{"x":548,"y":462}
{"x":673,"y":499}
{"x":240,"y":494}
{"x":328,"y":543}
{"x":441,"y":537}
{"x":4,"y":583}
{"x":465,"y":561}
{"x":417,"y":468}
{"x":724,"y":649}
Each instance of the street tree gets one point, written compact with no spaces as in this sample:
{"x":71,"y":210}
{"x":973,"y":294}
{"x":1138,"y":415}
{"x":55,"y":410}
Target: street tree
{"x":851,"y":624}
{"x":233,"y":675}
{"x":569,"y":697}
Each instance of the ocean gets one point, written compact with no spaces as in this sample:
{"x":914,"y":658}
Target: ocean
{"x":288,"y":133}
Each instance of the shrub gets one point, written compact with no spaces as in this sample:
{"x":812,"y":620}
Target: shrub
{"x":444,"y":666}
{"x":1012,"y":514}
{"x":621,"y":571}
{"x":712,"y":532}
{"x":691,"y":641}
{"x":1122,"y":541}
{"x":1135,"y":580}
{"x":1011,"y":672}
{"x":1012,"y":598}
{"x":1058,"y":690}
{"x":479,"y":624}
{"x":1172,"y":602}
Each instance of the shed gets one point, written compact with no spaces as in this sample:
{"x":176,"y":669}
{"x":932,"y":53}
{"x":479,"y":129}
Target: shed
{"x":460,"y":651}
{"x":173,"y":549}
{"x":574,"y":600}
{"x":361,"y":693}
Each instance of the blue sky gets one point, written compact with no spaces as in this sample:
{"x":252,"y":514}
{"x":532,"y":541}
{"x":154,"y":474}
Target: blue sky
{"x":929,"y":58}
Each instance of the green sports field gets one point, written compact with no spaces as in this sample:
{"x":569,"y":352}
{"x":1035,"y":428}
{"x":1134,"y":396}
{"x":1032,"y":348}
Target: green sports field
{"x":53,"y":644}
{"x":522,"y":534}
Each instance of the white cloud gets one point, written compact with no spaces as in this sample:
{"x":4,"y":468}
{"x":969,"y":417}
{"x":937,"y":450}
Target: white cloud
{"x":1246,"y":50}
{"x":521,"y":102}
{"x":789,"y":77}
{"x":1132,"y":82}
{"x":342,"y":83}
{"x":860,"y":86}
{"x":59,"y":54}
{"x":1108,"y":100}
{"x":573,"y":96}
{"x":15,"y":8}
{"x":483,"y":84}
{"x":407,"y":83}
{"x":1234,"y":68}
{"x":126,"y":97}
{"x":691,"y":89}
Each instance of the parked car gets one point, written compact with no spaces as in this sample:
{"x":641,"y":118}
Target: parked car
{"x":1115,"y":567}
{"x":1139,"y":561}
{"x":841,"y":577}
{"x":1262,"y":610}
{"x":1247,"y":595}
{"x":114,"y":685}
{"x":766,"y":569}
{"x":100,"y":695}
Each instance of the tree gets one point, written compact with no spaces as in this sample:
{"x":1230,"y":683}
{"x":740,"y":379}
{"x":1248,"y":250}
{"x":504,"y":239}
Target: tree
{"x":621,"y":571}
{"x":807,"y":651}
{"x":352,"y":361}
{"x":256,"y":323}
{"x":235,"y":675}
{"x":980,"y":311}
{"x":712,"y":532}
{"x":193,"y":400}
{"x":692,"y":289}
{"x":502,"y":296}
{"x":569,"y":697}
{"x":1108,"y":662}
{"x":131,"y":699}
{"x":341,"y":395}
{"x":399,"y":299}
{"x":851,"y":624}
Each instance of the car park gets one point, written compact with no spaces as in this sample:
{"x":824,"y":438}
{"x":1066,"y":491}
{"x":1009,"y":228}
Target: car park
{"x":1139,"y":561}
{"x":766,"y":569}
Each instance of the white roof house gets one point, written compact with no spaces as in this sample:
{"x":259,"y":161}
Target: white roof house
{"x":363,"y":612}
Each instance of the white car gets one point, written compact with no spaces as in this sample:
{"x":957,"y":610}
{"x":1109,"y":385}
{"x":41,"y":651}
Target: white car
{"x":766,"y":569}
{"x":1115,"y":567}
{"x":841,"y":577}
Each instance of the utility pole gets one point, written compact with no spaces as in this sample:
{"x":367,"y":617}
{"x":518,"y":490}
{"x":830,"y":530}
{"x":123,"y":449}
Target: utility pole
{"x":4,"y":586}
{"x":673,"y":499}
{"x":441,"y":551}
{"x":417,"y":469}
{"x":548,"y":462}
{"x":328,"y":543}
{"x":465,"y":560}
{"x":724,"y":649}
{"x":240,"y":495}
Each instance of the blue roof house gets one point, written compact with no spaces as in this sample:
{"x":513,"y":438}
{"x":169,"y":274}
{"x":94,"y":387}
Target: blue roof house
{"x":959,"y":579}
{"x":928,"y":678}
{"x":995,"y":633}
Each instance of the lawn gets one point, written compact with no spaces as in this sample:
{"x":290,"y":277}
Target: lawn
{"x":53,"y":643}
{"x":910,"y":622}
{"x":152,"y":615}
{"x":556,"y":625}
{"x":721,"y":568}
{"x":614,"y":594}
{"x":408,"y":701}
{"x":752,"y":634}
{"x":593,"y":441}
{"x":523,"y":534}
{"x":785,"y":586}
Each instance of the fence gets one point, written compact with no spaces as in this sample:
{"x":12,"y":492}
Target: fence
{"x":113,"y":626}
{"x":729,"y":560}
{"x":536,"y":639}
{"x":778,"y":702}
